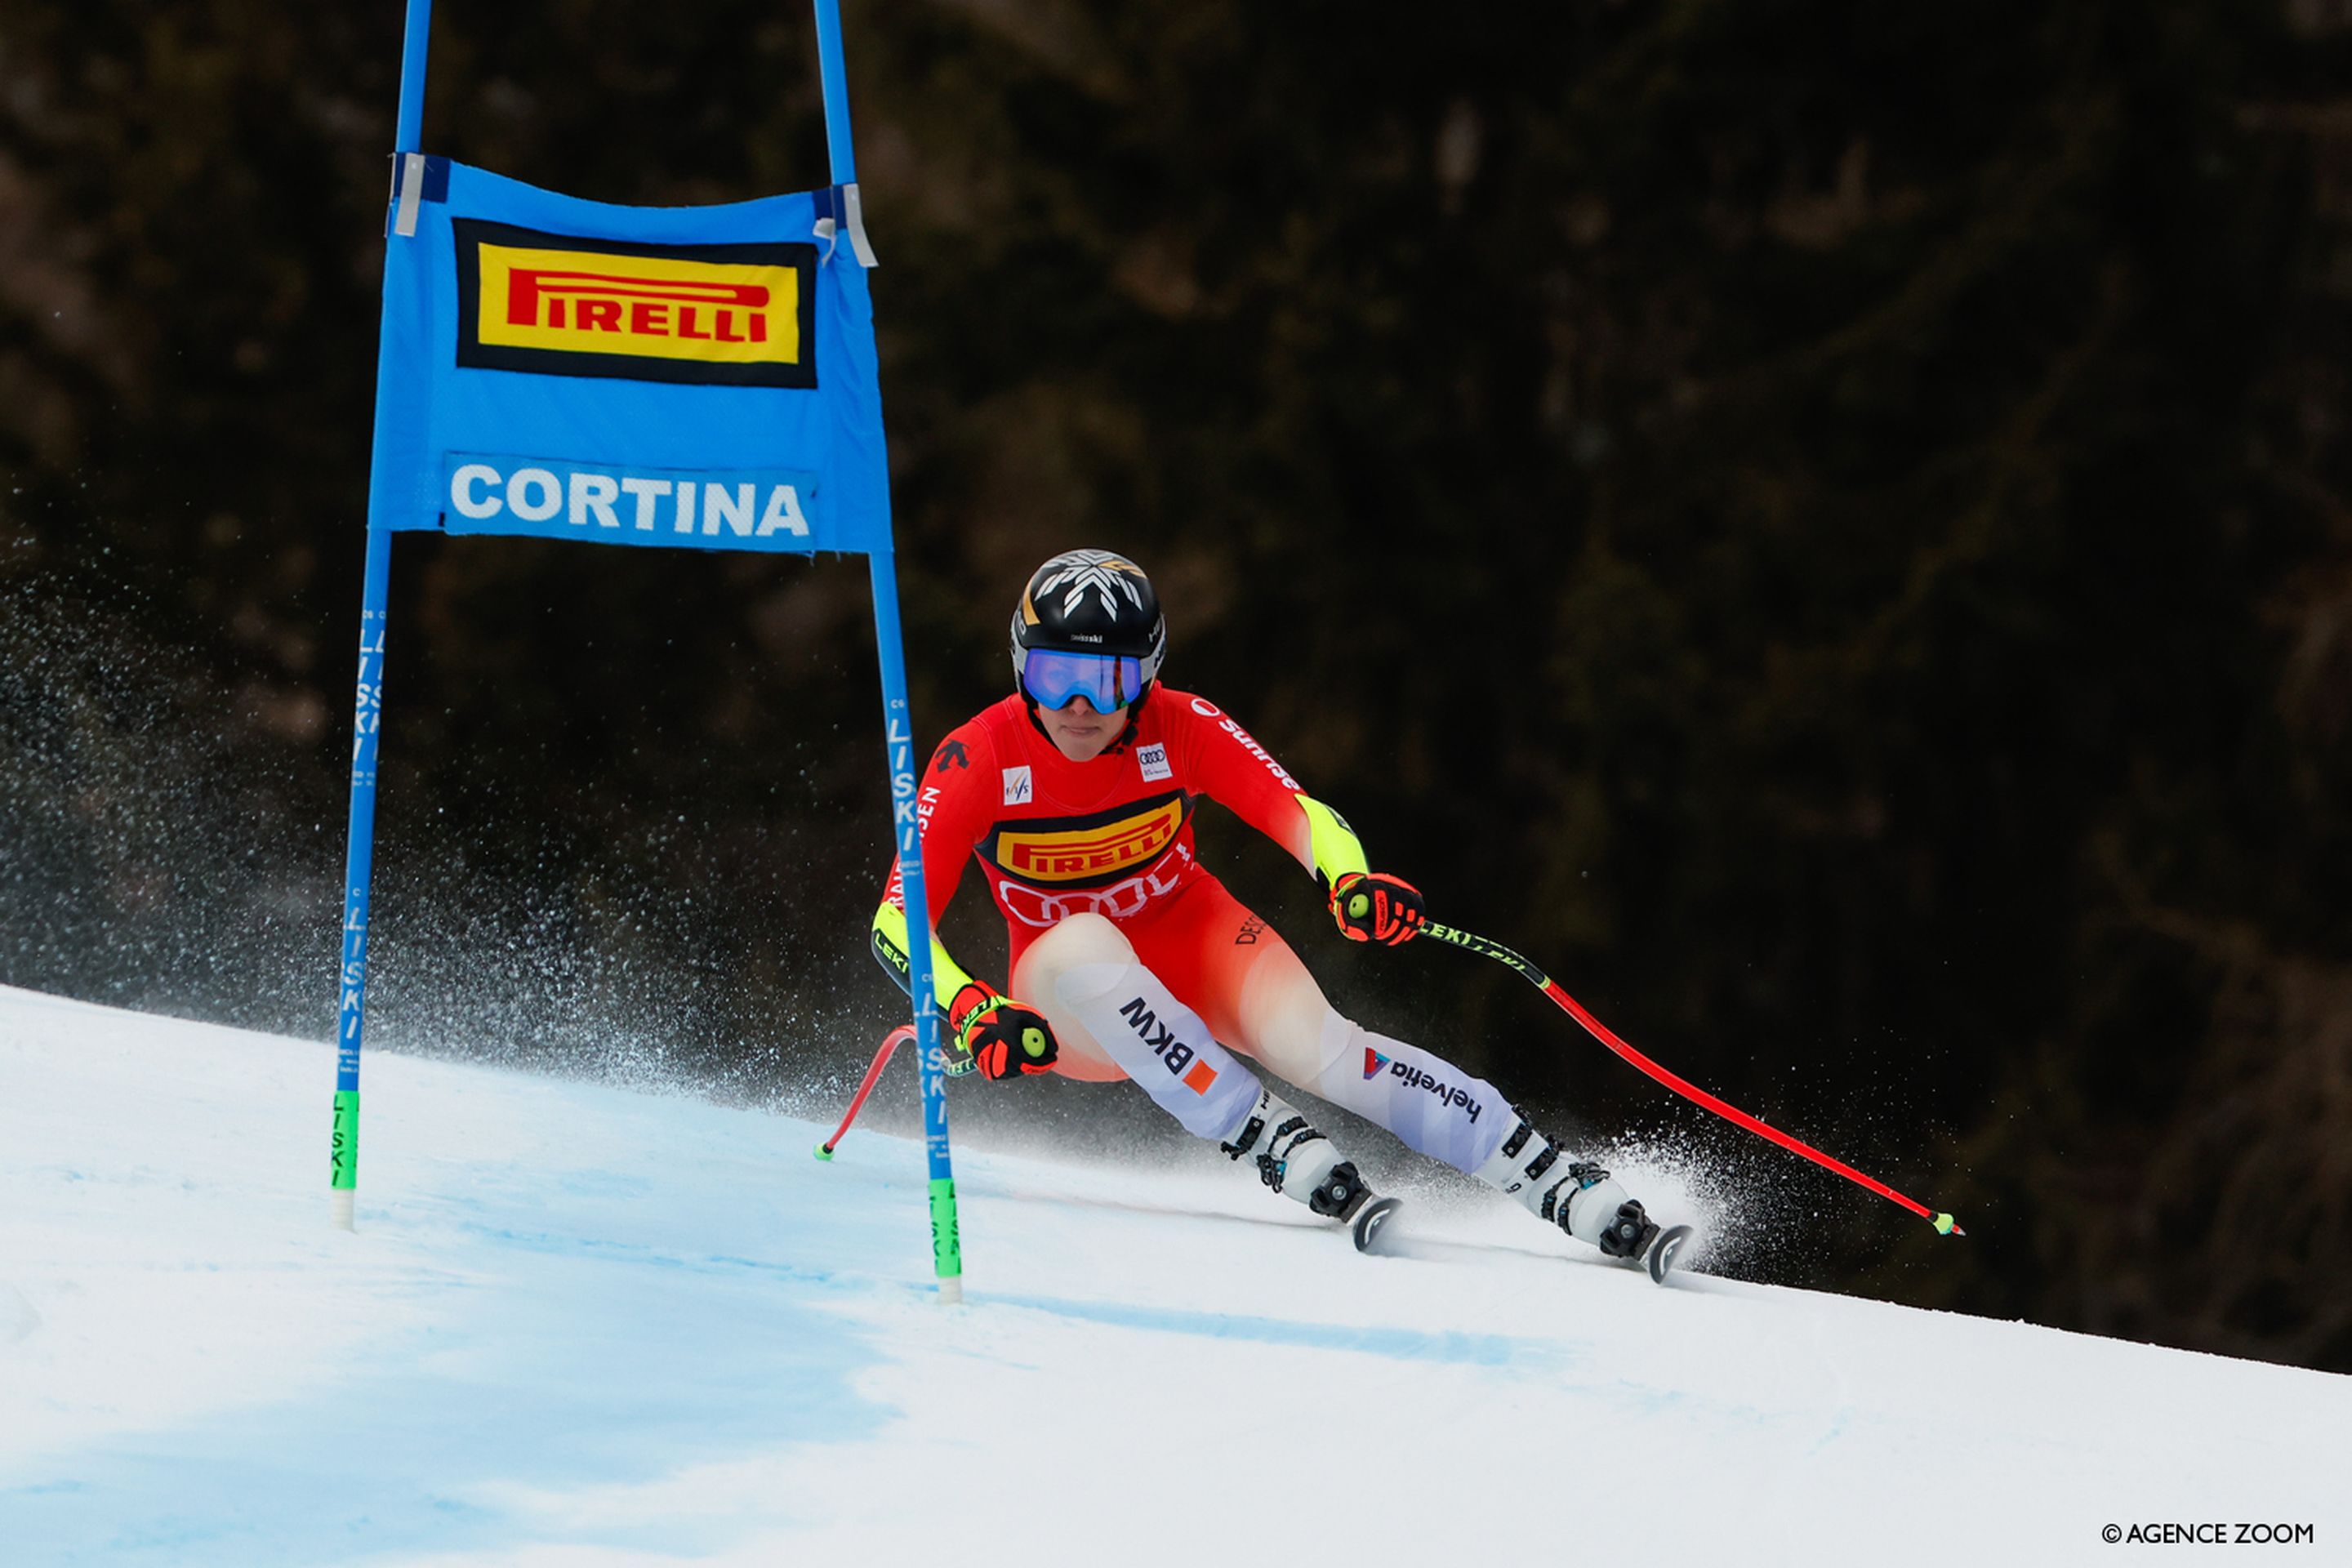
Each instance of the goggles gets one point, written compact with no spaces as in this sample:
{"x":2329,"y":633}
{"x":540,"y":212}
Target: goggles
{"x":1109,"y":681}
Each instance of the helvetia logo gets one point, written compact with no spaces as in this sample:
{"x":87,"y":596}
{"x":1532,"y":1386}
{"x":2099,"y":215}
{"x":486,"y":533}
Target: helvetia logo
{"x":552,"y":304}
{"x":1446,"y":1094}
{"x":1373,"y":1063}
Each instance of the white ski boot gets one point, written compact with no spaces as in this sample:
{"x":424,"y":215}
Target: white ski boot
{"x":1582,"y":1199}
{"x":1301,"y":1164}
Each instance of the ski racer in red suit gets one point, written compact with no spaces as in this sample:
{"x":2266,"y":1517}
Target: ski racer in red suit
{"x":1074,"y":798}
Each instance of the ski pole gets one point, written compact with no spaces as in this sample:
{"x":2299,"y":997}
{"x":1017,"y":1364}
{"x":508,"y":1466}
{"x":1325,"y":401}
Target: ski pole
{"x":1945,"y":1224}
{"x":956,"y":1062}
{"x":890,"y":1042}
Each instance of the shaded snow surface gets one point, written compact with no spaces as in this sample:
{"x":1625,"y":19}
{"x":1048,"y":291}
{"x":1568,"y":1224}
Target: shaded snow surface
{"x":583,"y":1326}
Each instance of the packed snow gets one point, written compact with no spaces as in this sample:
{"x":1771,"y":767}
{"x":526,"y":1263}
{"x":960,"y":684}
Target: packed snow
{"x":580,"y":1325}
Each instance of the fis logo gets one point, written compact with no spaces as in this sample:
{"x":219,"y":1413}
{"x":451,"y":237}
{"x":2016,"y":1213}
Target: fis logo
{"x":1373,"y":1063}
{"x":1173,"y":1054}
{"x":730,"y":315}
{"x":1413,"y":1078}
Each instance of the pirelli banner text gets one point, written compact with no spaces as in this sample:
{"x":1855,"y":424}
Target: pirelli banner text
{"x":701,"y":377}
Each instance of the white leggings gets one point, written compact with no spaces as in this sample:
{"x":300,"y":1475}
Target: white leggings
{"x":1113,"y":1019}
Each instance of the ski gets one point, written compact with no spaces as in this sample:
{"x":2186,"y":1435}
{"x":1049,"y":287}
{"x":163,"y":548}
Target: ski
{"x":1368,"y":1220}
{"x":1666,"y":1249}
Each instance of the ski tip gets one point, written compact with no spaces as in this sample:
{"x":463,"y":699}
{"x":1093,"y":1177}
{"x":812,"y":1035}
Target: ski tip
{"x":1370,"y":1220}
{"x":1947,"y":1226}
{"x":1666,"y":1249}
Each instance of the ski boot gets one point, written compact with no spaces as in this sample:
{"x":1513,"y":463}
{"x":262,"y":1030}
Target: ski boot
{"x":1581,"y":1198}
{"x":1301,"y":1164}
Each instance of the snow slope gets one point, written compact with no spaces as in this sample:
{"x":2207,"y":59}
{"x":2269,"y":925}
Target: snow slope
{"x":584,"y":1326}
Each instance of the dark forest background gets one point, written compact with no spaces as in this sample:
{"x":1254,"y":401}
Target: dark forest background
{"x":1824,"y":524}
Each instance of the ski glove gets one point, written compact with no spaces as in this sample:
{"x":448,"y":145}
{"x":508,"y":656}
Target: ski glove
{"x":1373,"y":906}
{"x":1004,"y":1038}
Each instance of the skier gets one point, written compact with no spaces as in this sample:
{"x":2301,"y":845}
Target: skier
{"x":1128,"y":960}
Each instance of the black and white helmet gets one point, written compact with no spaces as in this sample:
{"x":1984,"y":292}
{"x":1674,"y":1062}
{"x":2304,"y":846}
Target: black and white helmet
{"x":1090,"y":602}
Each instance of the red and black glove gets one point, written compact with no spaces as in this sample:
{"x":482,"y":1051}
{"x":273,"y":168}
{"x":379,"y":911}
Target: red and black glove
{"x":1005,"y":1040}
{"x":1373,"y":906}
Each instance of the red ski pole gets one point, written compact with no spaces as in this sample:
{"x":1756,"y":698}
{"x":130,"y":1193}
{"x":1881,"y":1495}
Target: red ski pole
{"x":890,"y":1042}
{"x":1944,"y":1223}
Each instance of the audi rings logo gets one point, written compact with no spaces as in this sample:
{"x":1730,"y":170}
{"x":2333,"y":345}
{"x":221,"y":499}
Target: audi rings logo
{"x":1034,"y":907}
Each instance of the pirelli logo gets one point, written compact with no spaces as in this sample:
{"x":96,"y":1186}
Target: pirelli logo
{"x":1091,"y":853}
{"x":551,"y":304}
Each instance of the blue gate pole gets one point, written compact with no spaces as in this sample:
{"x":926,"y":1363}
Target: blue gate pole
{"x":832,"y":75}
{"x":898,"y":732}
{"x":350,"y":1012}
{"x":947,"y":1246}
{"x":409,"y":133}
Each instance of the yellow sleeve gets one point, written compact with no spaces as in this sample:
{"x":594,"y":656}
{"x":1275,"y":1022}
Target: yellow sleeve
{"x":1333,"y":844}
{"x":948,"y":976}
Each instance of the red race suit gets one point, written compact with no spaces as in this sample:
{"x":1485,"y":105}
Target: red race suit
{"x":1111,"y":835}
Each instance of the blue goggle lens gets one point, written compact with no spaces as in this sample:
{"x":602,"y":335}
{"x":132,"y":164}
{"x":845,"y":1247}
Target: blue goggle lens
{"x":1108,"y":681}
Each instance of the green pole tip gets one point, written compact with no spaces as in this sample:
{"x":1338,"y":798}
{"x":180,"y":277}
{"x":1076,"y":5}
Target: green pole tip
{"x":1947,"y":1226}
{"x":343,"y":1162}
{"x":824,"y":1150}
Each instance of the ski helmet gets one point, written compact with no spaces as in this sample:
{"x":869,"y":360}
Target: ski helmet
{"x":1088,"y":624}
